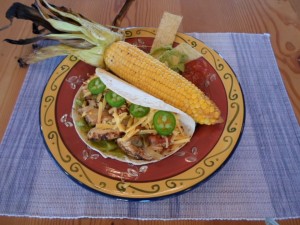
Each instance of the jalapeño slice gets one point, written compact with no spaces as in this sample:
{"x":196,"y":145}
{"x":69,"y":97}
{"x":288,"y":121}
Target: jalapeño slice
{"x":96,"y":86}
{"x":113,"y":99}
{"x":164,"y":122}
{"x":138,"y":110}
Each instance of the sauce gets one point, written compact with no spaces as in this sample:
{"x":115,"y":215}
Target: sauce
{"x":198,"y":71}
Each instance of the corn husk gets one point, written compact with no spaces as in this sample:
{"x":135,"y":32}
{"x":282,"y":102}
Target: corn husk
{"x":75,"y":34}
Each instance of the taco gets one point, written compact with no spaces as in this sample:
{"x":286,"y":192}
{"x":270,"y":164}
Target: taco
{"x":124,"y":123}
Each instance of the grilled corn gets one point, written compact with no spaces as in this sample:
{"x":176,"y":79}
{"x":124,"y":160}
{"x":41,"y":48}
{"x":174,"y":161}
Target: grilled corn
{"x":154,"y":77}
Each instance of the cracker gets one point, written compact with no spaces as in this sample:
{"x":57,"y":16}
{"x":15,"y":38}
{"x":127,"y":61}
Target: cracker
{"x":166,"y":31}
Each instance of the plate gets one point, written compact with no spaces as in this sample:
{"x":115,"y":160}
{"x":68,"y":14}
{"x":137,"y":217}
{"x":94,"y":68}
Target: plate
{"x":209,"y":148}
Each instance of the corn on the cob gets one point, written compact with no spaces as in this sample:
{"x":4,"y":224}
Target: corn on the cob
{"x":87,"y":40}
{"x":154,"y":77}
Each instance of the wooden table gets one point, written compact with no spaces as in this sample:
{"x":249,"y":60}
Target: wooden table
{"x":280,"y":18}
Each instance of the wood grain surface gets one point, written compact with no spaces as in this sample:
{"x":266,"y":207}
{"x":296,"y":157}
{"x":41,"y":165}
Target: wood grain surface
{"x":280,"y":18}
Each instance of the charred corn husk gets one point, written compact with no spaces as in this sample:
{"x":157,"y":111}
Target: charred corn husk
{"x":76,"y":34}
{"x":154,"y":77}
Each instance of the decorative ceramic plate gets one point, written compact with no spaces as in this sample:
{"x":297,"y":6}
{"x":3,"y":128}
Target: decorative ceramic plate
{"x":208,"y":150}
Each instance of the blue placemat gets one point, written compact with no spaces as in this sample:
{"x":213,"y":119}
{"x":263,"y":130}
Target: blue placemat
{"x":262,"y":178}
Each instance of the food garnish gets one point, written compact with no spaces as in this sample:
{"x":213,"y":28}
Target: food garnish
{"x":96,"y":86}
{"x":164,"y":122}
{"x":138,"y":111}
{"x":114,"y":100}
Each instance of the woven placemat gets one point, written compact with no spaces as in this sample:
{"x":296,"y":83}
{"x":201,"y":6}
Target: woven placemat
{"x":262,"y":178}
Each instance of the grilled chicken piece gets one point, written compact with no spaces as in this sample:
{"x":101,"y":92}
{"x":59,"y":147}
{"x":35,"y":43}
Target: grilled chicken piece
{"x":157,"y":140}
{"x":106,"y":116}
{"x":133,"y":151}
{"x":92,"y":103}
{"x":85,"y":109}
{"x":122,"y":110}
{"x":138,"y":147}
{"x":96,"y":134}
{"x":91,"y":117}
{"x":91,"y":113}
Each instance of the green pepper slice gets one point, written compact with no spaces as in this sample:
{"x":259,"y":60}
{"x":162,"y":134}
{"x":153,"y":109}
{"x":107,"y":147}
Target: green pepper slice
{"x":164,"y":122}
{"x":113,"y":99}
{"x":138,"y":110}
{"x":96,"y":86}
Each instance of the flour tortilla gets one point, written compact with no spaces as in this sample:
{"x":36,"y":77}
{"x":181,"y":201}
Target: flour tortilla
{"x":139,"y":97}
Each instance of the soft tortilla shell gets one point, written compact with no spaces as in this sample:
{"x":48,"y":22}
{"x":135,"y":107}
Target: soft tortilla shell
{"x":139,"y":97}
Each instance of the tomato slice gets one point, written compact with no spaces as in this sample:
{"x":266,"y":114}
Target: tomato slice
{"x":138,"y":110}
{"x":164,"y":122}
{"x":96,"y":86}
{"x":113,"y":99}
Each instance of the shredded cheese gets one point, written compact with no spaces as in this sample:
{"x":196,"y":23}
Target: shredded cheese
{"x":130,"y":122}
{"x":138,"y":122}
{"x":178,"y":124}
{"x":149,"y":119}
{"x":100,"y":110}
{"x":112,"y":110}
{"x":101,"y":107}
{"x":104,"y":126}
{"x":148,"y":132}
{"x":98,"y":99}
{"x":86,"y":93}
{"x":167,"y":142}
{"x":130,"y":134}
{"x":182,"y":141}
{"x":118,"y":119}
